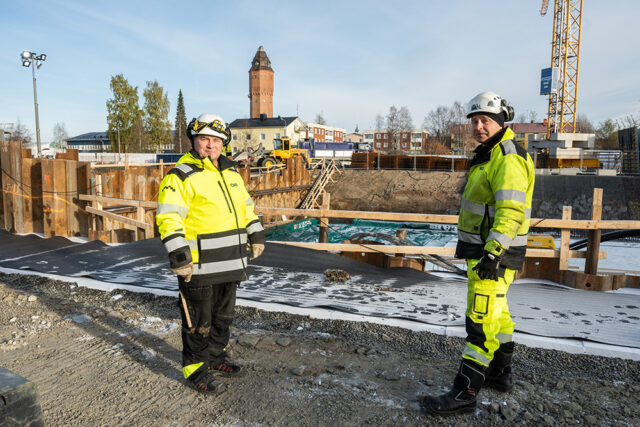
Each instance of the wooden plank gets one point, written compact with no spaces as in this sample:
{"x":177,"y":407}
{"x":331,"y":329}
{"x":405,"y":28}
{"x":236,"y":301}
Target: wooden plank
{"x":73,"y":224}
{"x":565,"y":238}
{"x":388,"y":216}
{"x":593,"y":241}
{"x":47,"y":198}
{"x":129,"y":223}
{"x":444,"y":219}
{"x":323,"y":236}
{"x":118,"y":201}
{"x":84,"y":184}
{"x":420,"y":250}
{"x":60,"y":201}
{"x":32,"y":195}
{"x":12,"y":166}
{"x":27,"y":195}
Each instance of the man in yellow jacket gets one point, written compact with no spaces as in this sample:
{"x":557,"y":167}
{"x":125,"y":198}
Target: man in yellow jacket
{"x":492,"y":236}
{"x":207,"y":223}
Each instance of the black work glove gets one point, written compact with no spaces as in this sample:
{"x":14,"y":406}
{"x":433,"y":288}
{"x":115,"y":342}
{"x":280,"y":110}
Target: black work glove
{"x":488,"y":266}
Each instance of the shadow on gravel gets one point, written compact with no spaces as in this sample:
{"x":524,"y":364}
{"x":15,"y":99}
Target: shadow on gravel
{"x":133,"y":341}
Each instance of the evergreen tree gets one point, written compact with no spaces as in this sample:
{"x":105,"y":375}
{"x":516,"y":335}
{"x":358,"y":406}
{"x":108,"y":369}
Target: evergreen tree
{"x":180,"y":140}
{"x":156,"y":115}
{"x":122,"y":110}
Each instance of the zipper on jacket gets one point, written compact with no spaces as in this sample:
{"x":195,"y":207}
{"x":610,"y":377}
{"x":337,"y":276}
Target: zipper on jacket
{"x":235,"y":214}
{"x":225,"y":197}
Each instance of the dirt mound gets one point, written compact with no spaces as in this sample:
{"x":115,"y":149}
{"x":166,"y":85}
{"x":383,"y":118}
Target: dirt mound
{"x":398,"y":191}
{"x":114,"y":359}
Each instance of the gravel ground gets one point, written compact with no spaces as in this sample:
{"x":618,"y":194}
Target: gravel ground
{"x":101,"y":358}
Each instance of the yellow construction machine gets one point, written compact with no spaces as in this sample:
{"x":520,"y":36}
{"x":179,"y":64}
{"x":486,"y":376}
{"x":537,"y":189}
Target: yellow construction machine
{"x":283,"y":149}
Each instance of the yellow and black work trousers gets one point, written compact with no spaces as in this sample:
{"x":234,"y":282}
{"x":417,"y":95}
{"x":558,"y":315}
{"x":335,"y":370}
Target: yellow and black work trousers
{"x":488,"y":321}
{"x":211,"y":308}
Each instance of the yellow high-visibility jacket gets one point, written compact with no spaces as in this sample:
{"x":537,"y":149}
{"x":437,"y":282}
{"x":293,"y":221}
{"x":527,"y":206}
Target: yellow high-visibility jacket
{"x":496,"y":204}
{"x":205,"y":216}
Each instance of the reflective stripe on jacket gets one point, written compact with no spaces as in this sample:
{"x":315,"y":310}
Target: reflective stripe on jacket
{"x":205,"y":216}
{"x":496,"y":203}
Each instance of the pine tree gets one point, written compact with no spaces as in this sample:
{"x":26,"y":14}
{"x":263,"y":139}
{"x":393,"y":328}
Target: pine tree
{"x":180,"y":141}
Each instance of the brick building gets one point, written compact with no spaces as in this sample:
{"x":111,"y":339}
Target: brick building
{"x":324,"y":133}
{"x":414,"y":140}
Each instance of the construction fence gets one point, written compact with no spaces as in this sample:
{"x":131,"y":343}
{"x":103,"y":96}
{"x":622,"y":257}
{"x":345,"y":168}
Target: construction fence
{"x":43,"y":195}
{"x":400,"y":161}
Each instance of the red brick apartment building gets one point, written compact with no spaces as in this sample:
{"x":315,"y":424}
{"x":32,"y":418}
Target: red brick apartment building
{"x":414,"y":141}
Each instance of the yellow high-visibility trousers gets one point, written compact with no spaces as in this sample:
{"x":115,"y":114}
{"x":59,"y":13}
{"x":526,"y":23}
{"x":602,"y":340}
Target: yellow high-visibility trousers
{"x":488,"y":321}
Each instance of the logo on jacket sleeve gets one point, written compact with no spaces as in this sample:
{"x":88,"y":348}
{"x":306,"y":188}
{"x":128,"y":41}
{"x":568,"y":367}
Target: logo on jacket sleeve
{"x":168,"y":187}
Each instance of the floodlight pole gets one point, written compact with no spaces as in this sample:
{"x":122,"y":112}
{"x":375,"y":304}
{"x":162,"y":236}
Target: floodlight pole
{"x":35,"y":103}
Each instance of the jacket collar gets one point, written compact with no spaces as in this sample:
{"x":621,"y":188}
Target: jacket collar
{"x":483,"y":151}
{"x":206,"y":163}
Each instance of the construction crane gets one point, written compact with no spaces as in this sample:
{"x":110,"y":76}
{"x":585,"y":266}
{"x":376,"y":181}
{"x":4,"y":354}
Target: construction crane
{"x":565,"y":59}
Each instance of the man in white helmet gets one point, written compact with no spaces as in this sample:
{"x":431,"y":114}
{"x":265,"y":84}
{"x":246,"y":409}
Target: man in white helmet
{"x":492,"y":237}
{"x":206,"y":220}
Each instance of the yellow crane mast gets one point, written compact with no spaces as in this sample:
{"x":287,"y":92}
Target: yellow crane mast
{"x":565,"y":59}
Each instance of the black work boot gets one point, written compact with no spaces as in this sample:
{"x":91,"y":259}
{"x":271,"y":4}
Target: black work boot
{"x":462,"y":397}
{"x":204,"y":381}
{"x":499,"y":375}
{"x":226,"y":368}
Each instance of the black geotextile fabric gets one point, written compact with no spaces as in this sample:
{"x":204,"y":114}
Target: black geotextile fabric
{"x":294,"y":276}
{"x":305,"y":260}
{"x":145,"y":262}
{"x":13,"y":246}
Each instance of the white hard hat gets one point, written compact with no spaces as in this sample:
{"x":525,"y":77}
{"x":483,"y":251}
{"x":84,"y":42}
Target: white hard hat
{"x":209,"y":124}
{"x":489,"y":102}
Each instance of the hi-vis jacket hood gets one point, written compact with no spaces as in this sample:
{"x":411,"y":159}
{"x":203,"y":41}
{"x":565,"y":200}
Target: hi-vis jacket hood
{"x":496,"y":204}
{"x":205,"y":216}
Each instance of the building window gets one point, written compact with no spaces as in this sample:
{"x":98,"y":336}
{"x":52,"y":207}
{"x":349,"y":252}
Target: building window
{"x":277,"y":135}
{"x":378,"y":144}
{"x":248,"y":136}
{"x":416,"y":135}
{"x":368,"y":135}
{"x":262,"y":137}
{"x":404,"y":145}
{"x":235,"y":136}
{"x":379,"y":136}
{"x":386,"y":145}
{"x":404,"y":135}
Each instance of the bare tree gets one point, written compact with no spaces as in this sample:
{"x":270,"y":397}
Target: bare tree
{"x":628,"y":122}
{"x":439,"y":121}
{"x":320,"y":119}
{"x":584,"y":125}
{"x":458,"y":113}
{"x":528,"y":116}
{"x":21,"y":133}
{"x":398,"y":121}
{"x":379,"y":122}
{"x":59,"y":135}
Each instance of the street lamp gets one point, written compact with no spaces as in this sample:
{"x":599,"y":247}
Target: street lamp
{"x":35,"y":61}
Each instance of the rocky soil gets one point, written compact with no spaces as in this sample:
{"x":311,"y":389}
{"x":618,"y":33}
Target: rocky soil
{"x":101,"y":358}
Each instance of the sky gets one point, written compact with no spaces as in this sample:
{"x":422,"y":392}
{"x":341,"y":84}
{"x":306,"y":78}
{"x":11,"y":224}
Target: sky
{"x":348,"y":60}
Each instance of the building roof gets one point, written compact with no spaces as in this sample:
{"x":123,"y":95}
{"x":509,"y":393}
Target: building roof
{"x":262,"y":122}
{"x":90,"y":136}
{"x":261,"y":61}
